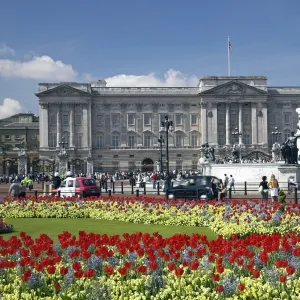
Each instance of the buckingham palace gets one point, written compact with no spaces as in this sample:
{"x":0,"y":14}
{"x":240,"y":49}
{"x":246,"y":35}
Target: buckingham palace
{"x":118,"y":128}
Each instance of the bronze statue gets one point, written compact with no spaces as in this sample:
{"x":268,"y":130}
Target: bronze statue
{"x":289,"y":150}
{"x":209,"y":152}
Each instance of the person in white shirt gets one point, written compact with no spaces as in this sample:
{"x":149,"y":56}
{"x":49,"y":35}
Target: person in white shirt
{"x":231,"y":183}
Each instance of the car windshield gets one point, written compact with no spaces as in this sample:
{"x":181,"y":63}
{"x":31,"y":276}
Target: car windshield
{"x":194,"y":181}
{"x":89,"y":182}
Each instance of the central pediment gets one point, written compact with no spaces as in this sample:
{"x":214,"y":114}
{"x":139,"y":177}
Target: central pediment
{"x":63,"y":90}
{"x":234,"y":88}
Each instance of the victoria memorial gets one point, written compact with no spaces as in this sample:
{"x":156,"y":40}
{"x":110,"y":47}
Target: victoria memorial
{"x":118,"y":128}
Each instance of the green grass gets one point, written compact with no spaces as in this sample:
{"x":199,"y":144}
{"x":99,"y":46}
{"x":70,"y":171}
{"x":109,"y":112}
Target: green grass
{"x":53,"y":227}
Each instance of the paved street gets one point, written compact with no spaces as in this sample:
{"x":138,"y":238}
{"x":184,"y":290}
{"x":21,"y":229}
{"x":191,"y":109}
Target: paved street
{"x":240,"y":194}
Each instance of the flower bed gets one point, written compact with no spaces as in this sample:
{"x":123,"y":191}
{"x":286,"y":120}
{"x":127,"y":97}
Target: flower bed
{"x":141,"y":266}
{"x":234,"y":217}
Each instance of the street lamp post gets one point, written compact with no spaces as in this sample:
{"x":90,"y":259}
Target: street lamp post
{"x":167,"y":125}
{"x":236,"y":133}
{"x":161,"y":141}
{"x":276,"y":133}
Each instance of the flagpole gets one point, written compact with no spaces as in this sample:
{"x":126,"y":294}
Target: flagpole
{"x":228,"y":43}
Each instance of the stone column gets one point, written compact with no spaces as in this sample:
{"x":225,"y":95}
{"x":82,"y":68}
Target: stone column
{"x":227,"y":124}
{"x":214,"y":125}
{"x":254,"y":123}
{"x":90,"y":124}
{"x":298,"y":129}
{"x":58,"y":121}
{"x":265,"y":124}
{"x":89,"y":166}
{"x":44,"y":125}
{"x":72,"y":126}
{"x":85,"y":125}
{"x":240,"y":123}
{"x":203,"y":122}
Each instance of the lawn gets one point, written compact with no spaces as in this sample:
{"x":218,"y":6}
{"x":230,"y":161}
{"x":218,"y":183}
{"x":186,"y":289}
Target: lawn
{"x":53,"y":227}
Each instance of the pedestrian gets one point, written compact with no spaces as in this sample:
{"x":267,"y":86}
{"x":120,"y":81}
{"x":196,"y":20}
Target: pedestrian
{"x":14,"y":189}
{"x":231,"y":183}
{"x":226,"y":180}
{"x":56,"y":181}
{"x":274,"y":187}
{"x":221,"y":190}
{"x":264,"y":188}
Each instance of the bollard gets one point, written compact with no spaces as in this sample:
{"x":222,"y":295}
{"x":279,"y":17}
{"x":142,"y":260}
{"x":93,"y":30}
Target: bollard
{"x":58,"y":194}
{"x":113,"y":186}
{"x":122,"y":188}
{"x":230,"y":193}
{"x":137,"y":193}
{"x":157,"y":185}
{"x":172,"y":183}
{"x":35,"y":194}
{"x":245,"y":187}
{"x":43,"y":185}
{"x":144,"y":188}
{"x":132,"y":192}
{"x":198,"y":194}
{"x":296,"y":195}
{"x":106,"y":188}
{"x":109,"y":193}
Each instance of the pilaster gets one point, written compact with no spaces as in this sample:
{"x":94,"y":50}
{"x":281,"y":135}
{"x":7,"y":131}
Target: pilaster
{"x":240,"y":123}
{"x":58,"y":121}
{"x":227,"y":124}
{"x":204,"y":122}
{"x":254,"y":123}
{"x":72,"y":126}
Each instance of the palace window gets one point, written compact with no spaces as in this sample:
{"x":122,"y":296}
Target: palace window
{"x":52,"y":119}
{"x":100,"y":120}
{"x":131,"y":141}
{"x":66,"y":137}
{"x":287,"y":118}
{"x":147,"y":119}
{"x":115,"y":166}
{"x":179,"y":165}
{"x":100,"y":141}
{"x":131,"y":119}
{"x":178,"y":119}
{"x":147,"y":140}
{"x":221,"y":138}
{"x":286,"y":134}
{"x":52,"y":140}
{"x":78,"y":140}
{"x":194,"y":164}
{"x":115,"y":140}
{"x":78,"y":119}
{"x":246,"y":139}
{"x":17,"y":137}
{"x":193,"y":119}
{"x":179,"y":140}
{"x":65,"y":120}
{"x":115,"y":119}
{"x":194,"y":140}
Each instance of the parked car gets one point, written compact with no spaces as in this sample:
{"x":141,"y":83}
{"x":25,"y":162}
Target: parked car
{"x":78,"y":186}
{"x":194,"y":187}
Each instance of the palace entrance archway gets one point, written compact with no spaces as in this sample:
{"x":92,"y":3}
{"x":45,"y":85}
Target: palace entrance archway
{"x":147,"y":165}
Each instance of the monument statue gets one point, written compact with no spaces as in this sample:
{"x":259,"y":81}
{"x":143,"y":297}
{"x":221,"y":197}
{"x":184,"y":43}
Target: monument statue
{"x":289,"y":149}
{"x":209,"y":152}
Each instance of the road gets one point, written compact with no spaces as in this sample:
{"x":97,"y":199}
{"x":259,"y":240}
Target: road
{"x":240,"y":193}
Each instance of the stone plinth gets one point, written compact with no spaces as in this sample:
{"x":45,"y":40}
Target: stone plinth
{"x":89,"y":167}
{"x":253,"y":173}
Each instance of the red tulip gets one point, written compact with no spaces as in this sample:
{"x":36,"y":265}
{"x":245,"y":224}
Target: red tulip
{"x":255,"y":273}
{"x":290,"y":270}
{"x":215,"y":277}
{"x":63,"y":270}
{"x":282,"y":278}
{"x":57,"y":286}
{"x":51,"y":269}
{"x":122,"y":271}
{"x":219,"y":288}
{"x":153,"y":265}
{"x":171,"y":266}
{"x":220,"y":269}
{"x":241,"y":287}
{"x":109,"y":270}
{"x":78,"y":273}
{"x":179,"y":271}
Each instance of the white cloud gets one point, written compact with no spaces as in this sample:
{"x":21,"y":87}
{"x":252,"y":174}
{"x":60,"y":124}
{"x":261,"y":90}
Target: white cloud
{"x":9,"y":107}
{"x":171,"y":78}
{"x":6,"y":51}
{"x":39,"y":68}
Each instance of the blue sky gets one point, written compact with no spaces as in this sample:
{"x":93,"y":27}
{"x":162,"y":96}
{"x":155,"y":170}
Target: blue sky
{"x":151,"y":43}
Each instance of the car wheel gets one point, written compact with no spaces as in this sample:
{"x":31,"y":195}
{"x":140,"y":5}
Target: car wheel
{"x":83,"y":194}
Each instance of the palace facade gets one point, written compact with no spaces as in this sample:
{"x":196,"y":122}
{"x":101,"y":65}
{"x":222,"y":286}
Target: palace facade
{"x":117,"y":128}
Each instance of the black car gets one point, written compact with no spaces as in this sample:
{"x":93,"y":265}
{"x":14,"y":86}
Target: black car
{"x":194,"y":187}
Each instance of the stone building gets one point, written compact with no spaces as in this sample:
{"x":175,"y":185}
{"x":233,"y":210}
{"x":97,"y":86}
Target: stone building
{"x":117,"y":128}
{"x":16,"y":132}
